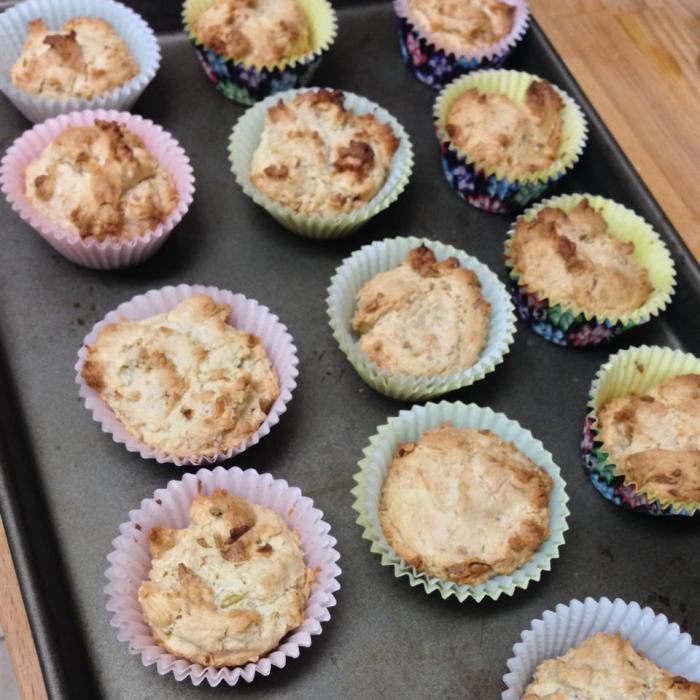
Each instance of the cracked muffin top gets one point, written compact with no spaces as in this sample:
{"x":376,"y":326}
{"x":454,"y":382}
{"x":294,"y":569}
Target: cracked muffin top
{"x":464,"y":505}
{"x":606,"y":667}
{"x":185,"y":382}
{"x":100,"y":182}
{"x":463,"y":26}
{"x":85,"y":58}
{"x":224,"y":590}
{"x":317,"y":157}
{"x":513,"y":138}
{"x":255,"y":32}
{"x":424,"y":317}
{"x":653,"y":439}
{"x":574,"y":260}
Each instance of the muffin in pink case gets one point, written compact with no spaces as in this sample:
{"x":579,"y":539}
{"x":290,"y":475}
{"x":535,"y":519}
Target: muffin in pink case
{"x":130,"y":563}
{"x":251,"y":369}
{"x":435,"y":58}
{"x":170,"y":170}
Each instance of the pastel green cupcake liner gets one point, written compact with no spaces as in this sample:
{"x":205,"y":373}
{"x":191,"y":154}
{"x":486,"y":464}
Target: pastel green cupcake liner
{"x":245,"y":139}
{"x":566,"y":325}
{"x":489,"y":188}
{"x":380,"y":256}
{"x":631,"y":371}
{"x":408,"y":426}
{"x":247,"y":83}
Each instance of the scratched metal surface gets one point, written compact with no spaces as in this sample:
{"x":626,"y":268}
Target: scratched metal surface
{"x":65,"y":486}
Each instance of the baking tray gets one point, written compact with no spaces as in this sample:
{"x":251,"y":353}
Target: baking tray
{"x":65,"y":486}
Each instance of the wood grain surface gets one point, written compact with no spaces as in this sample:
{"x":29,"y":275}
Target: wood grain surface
{"x":638,"y":61}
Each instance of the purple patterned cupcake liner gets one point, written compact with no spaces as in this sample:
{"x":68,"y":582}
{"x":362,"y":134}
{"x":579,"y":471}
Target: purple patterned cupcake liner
{"x":435,"y":67}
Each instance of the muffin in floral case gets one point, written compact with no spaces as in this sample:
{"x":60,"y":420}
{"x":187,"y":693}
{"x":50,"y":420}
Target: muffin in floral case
{"x":247,"y":83}
{"x":437,"y":65}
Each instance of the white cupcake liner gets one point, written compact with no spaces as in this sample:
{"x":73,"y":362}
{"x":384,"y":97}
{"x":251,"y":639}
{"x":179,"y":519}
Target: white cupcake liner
{"x":408,"y":426}
{"x":568,"y":625}
{"x":380,"y":256}
{"x":245,"y":139}
{"x":246,"y":314}
{"x":130,"y":562}
{"x":108,"y":254}
{"x":131,"y":27}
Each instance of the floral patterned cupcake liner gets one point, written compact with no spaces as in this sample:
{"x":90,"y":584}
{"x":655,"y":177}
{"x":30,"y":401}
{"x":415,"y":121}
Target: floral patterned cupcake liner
{"x":245,"y":139}
{"x":629,"y":371}
{"x":567,"y":626}
{"x":487,"y":188}
{"x":436,"y":67}
{"x":380,"y":256}
{"x":130,"y":562}
{"x":248,"y":84}
{"x":568,"y":326}
{"x":408,"y":426}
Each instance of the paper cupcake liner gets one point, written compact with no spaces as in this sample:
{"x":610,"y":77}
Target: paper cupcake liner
{"x":435,"y":66}
{"x":108,"y":254}
{"x":487,"y":188}
{"x":369,"y":261}
{"x":408,"y":426}
{"x":130,"y":26}
{"x":245,"y":139}
{"x":631,"y":371}
{"x":567,"y":626}
{"x":248,"y":84}
{"x":246,"y":315}
{"x":569,"y":326}
{"x":130,"y":562}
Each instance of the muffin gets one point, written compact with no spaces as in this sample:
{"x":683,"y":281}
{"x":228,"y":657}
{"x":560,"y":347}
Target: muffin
{"x":424,"y":317}
{"x":513,"y":138}
{"x":573,"y":260}
{"x":224,"y":590}
{"x":85,"y":58}
{"x":254,"y":32}
{"x":100,"y":182}
{"x":464,"y":505}
{"x":316,"y":157}
{"x":606,"y":667}
{"x":184,"y":382}
{"x":463,"y":26}
{"x":653,"y":439}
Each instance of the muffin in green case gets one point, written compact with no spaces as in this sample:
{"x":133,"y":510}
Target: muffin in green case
{"x":355,"y":156}
{"x":381,"y":256}
{"x":407,"y":427}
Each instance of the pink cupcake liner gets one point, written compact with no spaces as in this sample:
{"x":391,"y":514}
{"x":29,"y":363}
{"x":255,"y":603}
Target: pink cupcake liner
{"x":108,"y":254}
{"x":246,"y":314}
{"x":130,"y":562}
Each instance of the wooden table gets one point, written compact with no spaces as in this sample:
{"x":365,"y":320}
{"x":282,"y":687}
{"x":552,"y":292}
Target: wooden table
{"x":637,"y":61}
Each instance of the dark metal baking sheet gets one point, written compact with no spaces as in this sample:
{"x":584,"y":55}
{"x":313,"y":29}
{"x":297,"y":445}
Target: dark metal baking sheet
{"x":65,"y":486}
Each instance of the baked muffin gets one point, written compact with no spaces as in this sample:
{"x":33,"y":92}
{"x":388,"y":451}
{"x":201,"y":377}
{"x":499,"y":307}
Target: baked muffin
{"x":254,"y":32}
{"x":513,"y":138}
{"x":224,"y":590}
{"x":463,"y":26}
{"x":85,"y":58}
{"x":606,"y":667}
{"x":653,"y":439}
{"x":424,"y":317}
{"x":316,"y":157}
{"x":463,"y":505}
{"x":184,"y":382}
{"x":100,"y":182}
{"x":573,"y":260}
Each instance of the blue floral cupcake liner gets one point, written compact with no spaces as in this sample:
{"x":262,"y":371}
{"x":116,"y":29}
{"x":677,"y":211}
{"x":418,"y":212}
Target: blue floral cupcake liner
{"x":630,"y":371}
{"x":487,"y":188}
{"x":249,"y":84}
{"x":571,"y":327}
{"x":436,"y":67}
